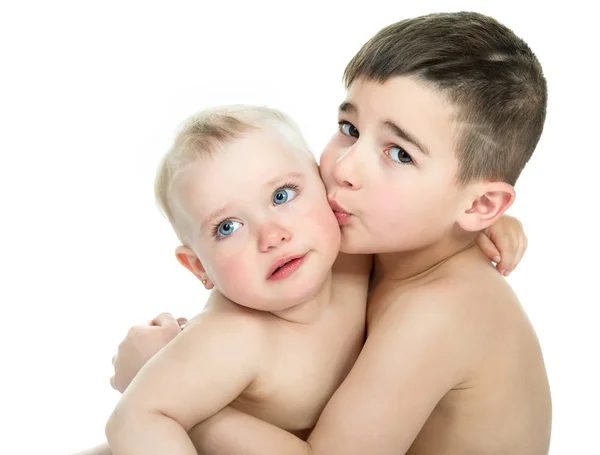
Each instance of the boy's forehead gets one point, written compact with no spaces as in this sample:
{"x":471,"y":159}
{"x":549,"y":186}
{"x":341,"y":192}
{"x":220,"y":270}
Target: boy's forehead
{"x":397,"y":95}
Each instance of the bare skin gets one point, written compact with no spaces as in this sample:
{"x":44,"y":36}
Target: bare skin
{"x":281,"y":353}
{"x":304,"y":363}
{"x":506,"y":237}
{"x":426,"y":332}
{"x":501,"y":381}
{"x":497,"y":400}
{"x":451,"y":365}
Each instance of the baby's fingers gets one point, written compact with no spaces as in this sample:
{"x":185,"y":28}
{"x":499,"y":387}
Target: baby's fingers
{"x":488,"y":247}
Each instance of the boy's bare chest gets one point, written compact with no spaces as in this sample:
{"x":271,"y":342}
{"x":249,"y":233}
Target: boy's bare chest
{"x":381,"y":299}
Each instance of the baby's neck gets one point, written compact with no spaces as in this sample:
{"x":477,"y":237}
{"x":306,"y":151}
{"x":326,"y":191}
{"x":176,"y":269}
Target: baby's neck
{"x":311,"y":310}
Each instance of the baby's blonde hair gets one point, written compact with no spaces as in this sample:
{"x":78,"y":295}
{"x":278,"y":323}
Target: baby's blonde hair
{"x":206,"y":132}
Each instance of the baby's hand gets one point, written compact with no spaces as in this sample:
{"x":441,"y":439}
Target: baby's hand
{"x":140,"y":344}
{"x":504,"y":242}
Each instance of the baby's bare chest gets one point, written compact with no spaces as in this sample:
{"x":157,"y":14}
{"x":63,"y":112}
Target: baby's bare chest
{"x":303,"y":371}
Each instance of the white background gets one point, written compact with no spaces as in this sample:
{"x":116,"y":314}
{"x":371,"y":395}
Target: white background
{"x":90,"y":97}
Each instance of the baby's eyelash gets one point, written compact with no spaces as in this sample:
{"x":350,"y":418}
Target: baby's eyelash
{"x":215,"y":229}
{"x":288,"y":186}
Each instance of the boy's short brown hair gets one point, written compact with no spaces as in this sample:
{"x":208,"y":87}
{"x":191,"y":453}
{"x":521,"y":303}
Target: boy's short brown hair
{"x":488,"y":73}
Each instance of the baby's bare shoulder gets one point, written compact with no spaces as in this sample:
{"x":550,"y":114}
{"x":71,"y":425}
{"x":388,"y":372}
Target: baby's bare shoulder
{"x":230,"y":318}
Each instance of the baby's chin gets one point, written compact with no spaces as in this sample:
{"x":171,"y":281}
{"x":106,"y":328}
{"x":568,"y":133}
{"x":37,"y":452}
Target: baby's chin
{"x":295,"y":304}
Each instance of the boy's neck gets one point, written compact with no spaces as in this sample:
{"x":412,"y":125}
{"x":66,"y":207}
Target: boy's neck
{"x":311,"y":310}
{"x":410,"y":265}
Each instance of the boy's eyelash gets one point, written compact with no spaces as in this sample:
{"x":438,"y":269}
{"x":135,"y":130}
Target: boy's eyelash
{"x":396,"y":163}
{"x":215,"y":226}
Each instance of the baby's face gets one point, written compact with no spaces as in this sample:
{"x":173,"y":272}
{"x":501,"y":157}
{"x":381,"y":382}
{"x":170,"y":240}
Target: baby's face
{"x":257,"y":216}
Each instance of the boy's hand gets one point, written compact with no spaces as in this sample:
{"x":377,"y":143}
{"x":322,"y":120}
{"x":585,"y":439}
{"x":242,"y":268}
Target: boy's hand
{"x":140,"y":344}
{"x":504,"y":242}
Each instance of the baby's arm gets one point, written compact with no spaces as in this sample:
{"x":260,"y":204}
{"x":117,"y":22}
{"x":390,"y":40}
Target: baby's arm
{"x":504,"y":242}
{"x":197,"y":374}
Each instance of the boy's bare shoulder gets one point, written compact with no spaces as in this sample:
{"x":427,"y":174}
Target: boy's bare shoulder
{"x":465,"y":300}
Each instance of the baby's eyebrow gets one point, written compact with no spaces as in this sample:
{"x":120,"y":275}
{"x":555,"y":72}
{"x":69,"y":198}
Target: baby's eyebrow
{"x":215,"y":215}
{"x":283,"y":178}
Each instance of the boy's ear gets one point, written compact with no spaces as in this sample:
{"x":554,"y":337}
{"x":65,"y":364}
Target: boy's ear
{"x":491,"y":200}
{"x":190,"y":261}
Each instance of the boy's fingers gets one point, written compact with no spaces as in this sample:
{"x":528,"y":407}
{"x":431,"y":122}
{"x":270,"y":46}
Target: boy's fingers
{"x":488,"y":247}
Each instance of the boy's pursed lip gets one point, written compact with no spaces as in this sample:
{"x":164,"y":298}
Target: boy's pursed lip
{"x":342,"y":216}
{"x":283,"y":262}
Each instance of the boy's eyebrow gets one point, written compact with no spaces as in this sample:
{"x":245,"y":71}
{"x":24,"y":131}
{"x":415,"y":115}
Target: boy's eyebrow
{"x":348,"y":107}
{"x":405,"y":135}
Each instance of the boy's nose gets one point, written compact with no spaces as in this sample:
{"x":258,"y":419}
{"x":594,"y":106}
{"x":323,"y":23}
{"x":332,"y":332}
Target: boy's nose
{"x":347,"y":169}
{"x":272,"y":235}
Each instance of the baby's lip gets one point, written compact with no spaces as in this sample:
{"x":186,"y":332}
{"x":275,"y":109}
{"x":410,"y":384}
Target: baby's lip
{"x":282,"y":261}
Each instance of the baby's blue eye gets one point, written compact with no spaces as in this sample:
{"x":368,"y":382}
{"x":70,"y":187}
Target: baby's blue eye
{"x":283,"y":195}
{"x":228,"y":227}
{"x":399,"y":155}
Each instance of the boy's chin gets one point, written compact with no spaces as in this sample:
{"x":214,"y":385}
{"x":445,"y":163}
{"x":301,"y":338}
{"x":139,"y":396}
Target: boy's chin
{"x":353,"y":245}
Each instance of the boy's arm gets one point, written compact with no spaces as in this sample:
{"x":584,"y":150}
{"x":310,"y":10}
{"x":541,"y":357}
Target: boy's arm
{"x":197,"y":374}
{"x":414,"y":356}
{"x":141,"y":343}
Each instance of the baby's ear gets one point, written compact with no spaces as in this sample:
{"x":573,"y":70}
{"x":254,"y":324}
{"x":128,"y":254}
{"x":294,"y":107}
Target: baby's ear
{"x":485,"y":204}
{"x":190,"y":261}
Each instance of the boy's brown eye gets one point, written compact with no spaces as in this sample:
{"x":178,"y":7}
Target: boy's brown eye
{"x":348,"y":129}
{"x":399,"y":155}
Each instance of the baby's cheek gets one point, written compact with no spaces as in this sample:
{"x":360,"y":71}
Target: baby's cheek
{"x":321,"y":221}
{"x":234,"y":275}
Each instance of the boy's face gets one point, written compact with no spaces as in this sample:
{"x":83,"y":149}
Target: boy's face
{"x":392,"y":167}
{"x":253,"y":206}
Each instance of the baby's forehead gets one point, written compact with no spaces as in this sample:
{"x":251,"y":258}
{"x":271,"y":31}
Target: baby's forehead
{"x":250,"y":164}
{"x":275,"y":143}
